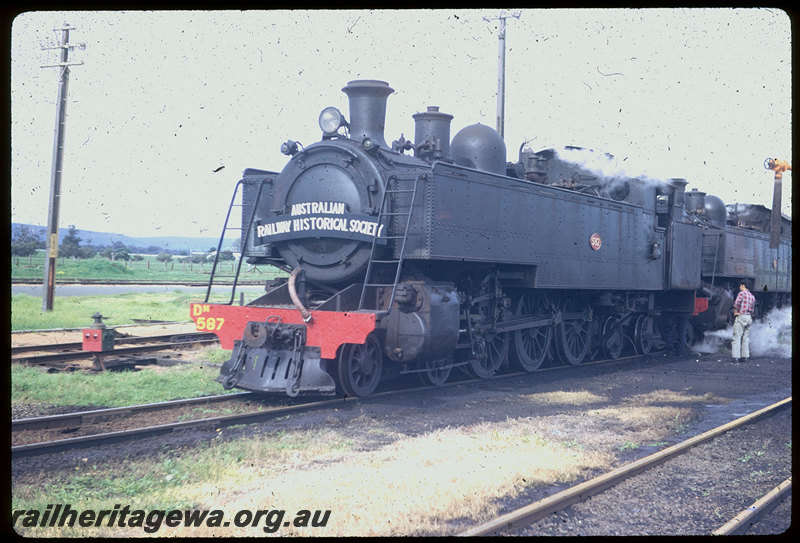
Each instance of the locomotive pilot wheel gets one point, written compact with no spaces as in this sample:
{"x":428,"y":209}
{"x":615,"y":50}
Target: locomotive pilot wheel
{"x":360,"y":367}
{"x":436,"y":371}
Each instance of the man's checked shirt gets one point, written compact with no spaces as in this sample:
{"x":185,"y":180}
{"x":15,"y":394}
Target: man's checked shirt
{"x":744,"y":303}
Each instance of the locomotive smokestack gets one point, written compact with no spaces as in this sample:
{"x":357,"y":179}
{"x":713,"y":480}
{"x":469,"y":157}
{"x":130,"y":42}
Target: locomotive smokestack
{"x":368,"y":109}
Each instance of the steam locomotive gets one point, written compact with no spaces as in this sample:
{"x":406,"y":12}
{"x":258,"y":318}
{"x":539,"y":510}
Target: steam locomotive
{"x":451,"y":257}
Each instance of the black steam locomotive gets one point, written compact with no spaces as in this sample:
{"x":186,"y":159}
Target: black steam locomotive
{"x":453,"y":257}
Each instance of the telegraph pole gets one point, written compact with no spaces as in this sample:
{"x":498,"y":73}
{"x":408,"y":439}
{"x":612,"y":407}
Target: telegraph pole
{"x":501,"y":68}
{"x":58,"y":160}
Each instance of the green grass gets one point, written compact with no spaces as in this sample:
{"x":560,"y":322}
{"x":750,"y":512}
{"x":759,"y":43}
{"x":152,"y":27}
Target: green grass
{"x":99,"y":487}
{"x":77,"y":311}
{"x":31,"y":385}
{"x":149,"y":269}
{"x":162,"y":484}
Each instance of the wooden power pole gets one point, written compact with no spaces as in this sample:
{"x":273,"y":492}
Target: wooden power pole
{"x":501,"y":68}
{"x":58,"y":160}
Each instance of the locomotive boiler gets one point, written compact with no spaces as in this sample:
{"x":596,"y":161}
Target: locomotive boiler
{"x":425,"y":256}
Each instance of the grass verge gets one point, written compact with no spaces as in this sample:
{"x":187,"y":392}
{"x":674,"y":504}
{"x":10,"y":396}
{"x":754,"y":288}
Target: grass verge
{"x":77,"y":311}
{"x":413,"y":486}
{"x":33,"y":386}
{"x":161,"y":485}
{"x":147,"y":269}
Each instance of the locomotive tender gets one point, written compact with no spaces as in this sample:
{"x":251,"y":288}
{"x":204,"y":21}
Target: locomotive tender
{"x":453,"y":257}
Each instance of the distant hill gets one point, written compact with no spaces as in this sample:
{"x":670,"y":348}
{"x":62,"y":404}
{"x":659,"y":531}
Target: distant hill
{"x":173,"y":243}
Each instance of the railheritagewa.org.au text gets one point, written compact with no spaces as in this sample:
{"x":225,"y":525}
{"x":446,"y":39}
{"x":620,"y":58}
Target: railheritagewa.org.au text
{"x":63,"y":515}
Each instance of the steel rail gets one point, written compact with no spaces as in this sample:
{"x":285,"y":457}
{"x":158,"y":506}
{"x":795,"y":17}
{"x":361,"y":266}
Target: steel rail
{"x":750,"y":515}
{"x":76,"y":419}
{"x":79,"y":355}
{"x":59,"y":445}
{"x":529,"y":514}
{"x":166,"y":338}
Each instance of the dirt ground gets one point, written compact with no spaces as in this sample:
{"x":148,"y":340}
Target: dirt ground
{"x":618,"y":411}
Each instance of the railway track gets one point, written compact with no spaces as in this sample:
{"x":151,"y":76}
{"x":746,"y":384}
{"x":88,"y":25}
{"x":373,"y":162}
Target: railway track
{"x":134,"y":340}
{"x":98,"y":427}
{"x":84,"y":421}
{"x":66,"y":352}
{"x":104,"y":426}
{"x":27,"y":433}
{"x":24,"y":442}
{"x":512,"y":522}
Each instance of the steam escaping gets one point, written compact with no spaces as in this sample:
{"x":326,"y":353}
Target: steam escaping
{"x":771,"y":336}
{"x":602,"y":164}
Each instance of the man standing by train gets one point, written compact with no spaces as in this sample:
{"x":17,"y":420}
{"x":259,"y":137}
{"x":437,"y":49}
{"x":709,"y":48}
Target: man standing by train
{"x":742,"y":319}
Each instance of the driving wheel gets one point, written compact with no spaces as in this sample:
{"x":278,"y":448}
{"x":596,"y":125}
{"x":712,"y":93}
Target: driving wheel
{"x":531,"y":344}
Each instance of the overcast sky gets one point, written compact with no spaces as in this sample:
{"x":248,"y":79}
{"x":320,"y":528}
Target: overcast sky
{"x":165,"y":98}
